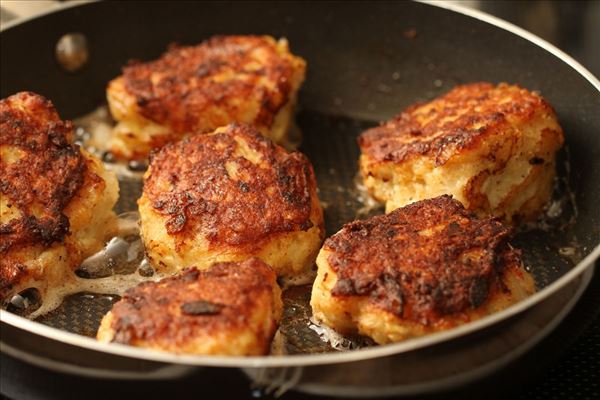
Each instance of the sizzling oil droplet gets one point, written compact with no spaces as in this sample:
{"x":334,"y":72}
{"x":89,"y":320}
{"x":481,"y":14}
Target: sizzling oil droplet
{"x":94,"y":131}
{"x":369,"y":204}
{"x":119,"y":266}
{"x":25,"y":303}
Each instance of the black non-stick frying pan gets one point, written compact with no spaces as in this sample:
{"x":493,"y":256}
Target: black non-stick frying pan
{"x":366,"y":62}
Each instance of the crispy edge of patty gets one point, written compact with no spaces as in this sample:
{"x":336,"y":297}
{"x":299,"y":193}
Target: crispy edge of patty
{"x":421,"y":263}
{"x":454,"y":122}
{"x":216,"y":311}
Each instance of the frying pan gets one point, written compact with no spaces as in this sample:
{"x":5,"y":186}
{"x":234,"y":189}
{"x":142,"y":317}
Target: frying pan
{"x":367,"y":61}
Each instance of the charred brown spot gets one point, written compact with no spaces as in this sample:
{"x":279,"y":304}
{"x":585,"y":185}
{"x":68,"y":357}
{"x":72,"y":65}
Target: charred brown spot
{"x":201,"y":307}
{"x":478,"y":292}
{"x":536,"y":161}
{"x":423,"y":261}
{"x":244,"y":187}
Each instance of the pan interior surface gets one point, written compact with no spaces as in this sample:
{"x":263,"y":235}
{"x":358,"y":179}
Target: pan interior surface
{"x":330,"y":143}
{"x":413,"y":52}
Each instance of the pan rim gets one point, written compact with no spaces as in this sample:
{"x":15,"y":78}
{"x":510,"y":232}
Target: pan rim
{"x":18,"y":21}
{"x":512,"y":28}
{"x":462,"y":377}
{"x":470,"y":12}
{"x":341,"y":357}
{"x":296,"y":359}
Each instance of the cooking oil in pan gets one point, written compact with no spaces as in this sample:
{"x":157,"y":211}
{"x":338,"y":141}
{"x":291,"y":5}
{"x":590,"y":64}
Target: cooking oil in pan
{"x":94,"y":131}
{"x":117,"y":267}
{"x":549,"y":246}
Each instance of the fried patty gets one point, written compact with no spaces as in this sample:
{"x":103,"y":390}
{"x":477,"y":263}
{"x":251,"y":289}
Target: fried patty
{"x":228,"y":309}
{"x":491,"y":146}
{"x":57,"y":199}
{"x":422,"y":268}
{"x":227,"y":196}
{"x":196,"y":89}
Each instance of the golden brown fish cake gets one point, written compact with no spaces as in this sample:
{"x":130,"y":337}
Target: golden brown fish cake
{"x":192,"y":89}
{"x":228,"y":309}
{"x":227,"y":196}
{"x":492,"y":147}
{"x":56,"y":199}
{"x":429,"y":266}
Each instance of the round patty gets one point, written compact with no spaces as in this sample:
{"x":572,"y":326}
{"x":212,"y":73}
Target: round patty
{"x":227,"y":196}
{"x":492,"y":147}
{"x":196,"y":89}
{"x":56,"y":199}
{"x":230,"y":308}
{"x":422,"y":268}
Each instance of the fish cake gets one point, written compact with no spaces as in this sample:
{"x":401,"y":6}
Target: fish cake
{"x":228,"y":196}
{"x":492,"y":147}
{"x":426,"y":267}
{"x":196,"y":89}
{"x":56,"y":199}
{"x":228,"y":309}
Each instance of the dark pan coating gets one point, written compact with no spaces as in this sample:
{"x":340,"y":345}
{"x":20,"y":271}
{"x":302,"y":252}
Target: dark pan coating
{"x":189,"y":182}
{"x":193,"y":304}
{"x":451,"y":123}
{"x":423,"y":261}
{"x":176,"y":89}
{"x":40,"y":171}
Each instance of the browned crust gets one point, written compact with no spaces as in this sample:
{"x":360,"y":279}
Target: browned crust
{"x":454,"y":122}
{"x":270,"y":197}
{"x":180,"y":86}
{"x":419,"y":276}
{"x":46,"y":177}
{"x":11,"y":273}
{"x":152,"y":311}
